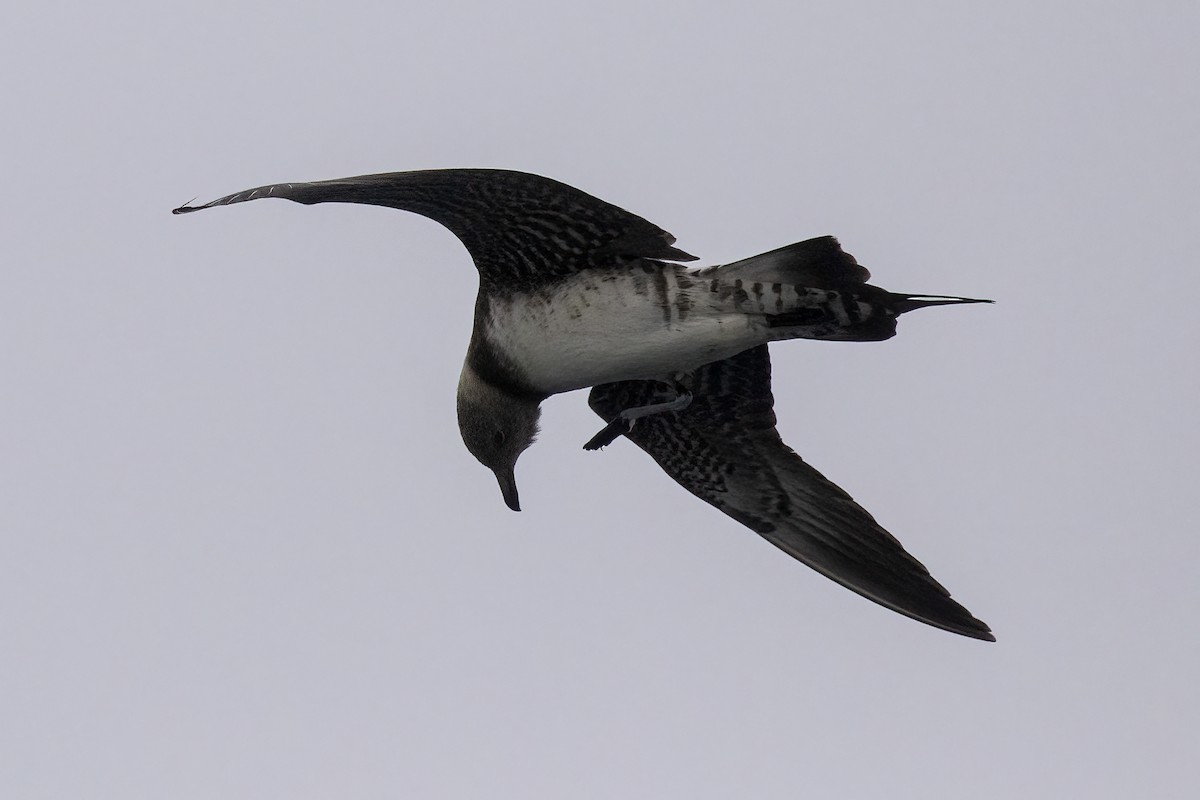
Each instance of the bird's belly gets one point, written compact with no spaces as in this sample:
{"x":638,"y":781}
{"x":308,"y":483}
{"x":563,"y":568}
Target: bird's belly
{"x":577,"y":356}
{"x":591,"y":332}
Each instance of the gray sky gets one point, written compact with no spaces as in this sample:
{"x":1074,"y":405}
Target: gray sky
{"x":244,"y":554}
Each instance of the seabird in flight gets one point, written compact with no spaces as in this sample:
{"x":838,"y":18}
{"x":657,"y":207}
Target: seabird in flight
{"x":575,"y":292}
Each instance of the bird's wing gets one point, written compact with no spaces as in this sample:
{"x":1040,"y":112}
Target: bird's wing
{"x":522,"y":230}
{"x":725,"y":450}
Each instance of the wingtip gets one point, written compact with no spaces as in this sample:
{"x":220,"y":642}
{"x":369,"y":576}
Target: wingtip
{"x":967,"y":625}
{"x":983,"y":633}
{"x":186,"y":208}
{"x":953,"y":619}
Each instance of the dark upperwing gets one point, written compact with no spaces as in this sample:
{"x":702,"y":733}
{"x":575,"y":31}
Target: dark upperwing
{"x":523,"y":231}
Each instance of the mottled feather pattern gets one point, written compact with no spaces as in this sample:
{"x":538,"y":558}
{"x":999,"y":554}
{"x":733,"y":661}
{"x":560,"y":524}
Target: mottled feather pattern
{"x":725,"y":450}
{"x":523,"y":231}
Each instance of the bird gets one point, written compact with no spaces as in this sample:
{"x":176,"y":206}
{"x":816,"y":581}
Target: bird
{"x":577,"y":293}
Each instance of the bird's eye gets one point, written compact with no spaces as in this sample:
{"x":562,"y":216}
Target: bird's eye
{"x":498,"y":438}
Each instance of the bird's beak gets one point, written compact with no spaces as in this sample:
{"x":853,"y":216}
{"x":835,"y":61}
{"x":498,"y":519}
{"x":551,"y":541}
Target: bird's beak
{"x":508,"y":487}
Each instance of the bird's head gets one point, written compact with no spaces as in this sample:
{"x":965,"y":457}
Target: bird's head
{"x":496,"y":427}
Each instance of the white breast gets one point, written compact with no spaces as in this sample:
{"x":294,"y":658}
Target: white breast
{"x":599,"y":327}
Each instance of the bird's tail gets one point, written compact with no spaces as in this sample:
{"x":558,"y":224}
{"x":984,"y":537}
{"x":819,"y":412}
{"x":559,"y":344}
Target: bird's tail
{"x":903,"y":303}
{"x":857,"y":314}
{"x":815,"y":290}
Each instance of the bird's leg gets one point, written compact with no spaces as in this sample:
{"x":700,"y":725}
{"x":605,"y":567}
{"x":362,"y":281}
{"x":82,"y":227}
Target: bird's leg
{"x":623,"y":423}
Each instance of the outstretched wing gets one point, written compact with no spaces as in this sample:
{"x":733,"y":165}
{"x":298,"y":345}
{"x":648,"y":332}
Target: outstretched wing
{"x":522,"y":230}
{"x":725,"y":450}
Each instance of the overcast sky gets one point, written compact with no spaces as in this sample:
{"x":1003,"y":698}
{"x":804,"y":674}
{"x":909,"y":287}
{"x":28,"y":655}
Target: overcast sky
{"x":244,"y":554}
